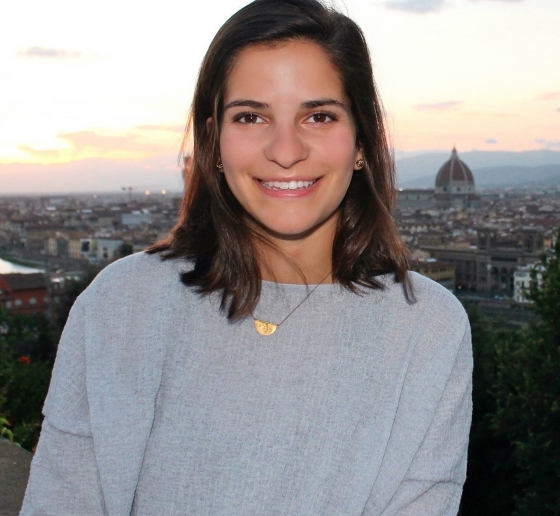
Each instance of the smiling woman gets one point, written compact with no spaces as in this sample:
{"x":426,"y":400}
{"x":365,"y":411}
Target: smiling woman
{"x":290,"y":158}
{"x":353,"y":394}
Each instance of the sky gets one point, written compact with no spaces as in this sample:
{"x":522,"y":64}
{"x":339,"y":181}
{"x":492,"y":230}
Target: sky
{"x":113,"y":79}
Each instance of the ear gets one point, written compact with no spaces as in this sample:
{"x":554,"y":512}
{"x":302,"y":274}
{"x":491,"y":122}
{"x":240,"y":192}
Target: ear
{"x":359,"y":159}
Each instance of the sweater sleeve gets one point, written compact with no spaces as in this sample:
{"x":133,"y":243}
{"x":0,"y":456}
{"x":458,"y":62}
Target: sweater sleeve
{"x":434,"y":481}
{"x":64,"y":479}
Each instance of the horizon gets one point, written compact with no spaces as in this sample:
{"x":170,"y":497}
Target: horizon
{"x":425,"y":164}
{"x":450,"y":72}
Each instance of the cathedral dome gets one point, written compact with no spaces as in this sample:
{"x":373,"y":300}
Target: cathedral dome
{"x":454,"y":177}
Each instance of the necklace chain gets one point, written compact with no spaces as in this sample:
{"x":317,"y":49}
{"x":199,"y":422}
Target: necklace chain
{"x":267,"y":328}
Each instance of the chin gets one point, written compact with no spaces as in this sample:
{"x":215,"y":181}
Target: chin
{"x":289,"y":232}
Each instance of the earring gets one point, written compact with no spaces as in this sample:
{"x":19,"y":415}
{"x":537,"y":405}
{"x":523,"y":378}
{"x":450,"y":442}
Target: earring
{"x":360,"y":163}
{"x":220,"y":166}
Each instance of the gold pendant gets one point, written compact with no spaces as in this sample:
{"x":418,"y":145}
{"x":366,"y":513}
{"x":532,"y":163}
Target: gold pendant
{"x":265,"y":328}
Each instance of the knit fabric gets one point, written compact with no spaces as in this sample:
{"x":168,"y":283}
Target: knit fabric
{"x":358,"y":405}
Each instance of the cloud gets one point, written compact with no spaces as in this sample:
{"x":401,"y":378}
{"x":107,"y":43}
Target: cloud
{"x":548,"y":144}
{"x":90,"y":140}
{"x":553,"y":95}
{"x":438,"y":106}
{"x":491,"y":141}
{"x":155,"y":127}
{"x":507,"y":1}
{"x":415,"y":6}
{"x":98,"y":143}
{"x":50,"y":53}
{"x":37,"y":153}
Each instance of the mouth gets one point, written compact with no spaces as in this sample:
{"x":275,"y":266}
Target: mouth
{"x":287,"y":185}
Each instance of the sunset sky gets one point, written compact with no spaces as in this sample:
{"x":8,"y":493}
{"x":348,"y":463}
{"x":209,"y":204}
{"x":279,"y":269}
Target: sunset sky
{"x":114,"y":78}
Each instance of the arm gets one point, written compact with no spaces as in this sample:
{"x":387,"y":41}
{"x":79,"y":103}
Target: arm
{"x":64,"y":479}
{"x":434,"y":481}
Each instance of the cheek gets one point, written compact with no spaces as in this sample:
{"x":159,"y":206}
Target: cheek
{"x":339,"y":149}
{"x":237,"y":151}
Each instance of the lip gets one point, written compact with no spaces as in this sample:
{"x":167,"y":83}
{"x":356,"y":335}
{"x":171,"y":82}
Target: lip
{"x":300,"y":192}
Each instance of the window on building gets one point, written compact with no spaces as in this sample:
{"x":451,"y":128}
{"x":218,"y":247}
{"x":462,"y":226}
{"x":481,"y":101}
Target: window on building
{"x":8,"y":304}
{"x":32,"y":301}
{"x":17,"y":302}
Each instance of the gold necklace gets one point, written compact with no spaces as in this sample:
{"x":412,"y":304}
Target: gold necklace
{"x":267,"y":328}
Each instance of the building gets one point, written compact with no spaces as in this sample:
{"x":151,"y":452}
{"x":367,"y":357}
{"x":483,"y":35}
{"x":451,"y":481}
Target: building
{"x":441,"y":272}
{"x":416,"y":199}
{"x":522,"y":281}
{"x":490,"y":265}
{"x":455,"y":184}
{"x":108,"y":249}
{"x":454,"y":188}
{"x":24,"y":293}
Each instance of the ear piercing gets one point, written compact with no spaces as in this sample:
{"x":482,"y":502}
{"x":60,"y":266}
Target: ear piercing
{"x":360,"y":163}
{"x":220,"y":166}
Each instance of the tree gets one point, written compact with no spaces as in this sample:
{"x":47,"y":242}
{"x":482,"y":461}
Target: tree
{"x":24,"y":374}
{"x":491,"y":474}
{"x":527,"y":391}
{"x":72,"y":289}
{"x":27,"y":350}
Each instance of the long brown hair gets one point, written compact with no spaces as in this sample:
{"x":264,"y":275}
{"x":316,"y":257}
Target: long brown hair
{"x":215,"y":232}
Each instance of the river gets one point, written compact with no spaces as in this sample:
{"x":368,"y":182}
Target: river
{"x":9,"y":267}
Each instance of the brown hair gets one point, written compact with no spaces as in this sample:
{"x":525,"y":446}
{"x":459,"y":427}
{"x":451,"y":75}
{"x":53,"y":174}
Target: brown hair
{"x":216,"y":233}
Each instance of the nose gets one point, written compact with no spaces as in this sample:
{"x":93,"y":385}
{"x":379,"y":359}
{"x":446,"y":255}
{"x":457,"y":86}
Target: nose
{"x":286,"y":145}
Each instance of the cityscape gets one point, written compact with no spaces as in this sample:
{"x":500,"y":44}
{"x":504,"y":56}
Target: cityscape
{"x":480,"y":244}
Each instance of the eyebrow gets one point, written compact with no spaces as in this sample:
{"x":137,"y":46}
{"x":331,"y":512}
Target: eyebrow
{"x":308,"y":104}
{"x":311,"y":104}
{"x":246,"y":103}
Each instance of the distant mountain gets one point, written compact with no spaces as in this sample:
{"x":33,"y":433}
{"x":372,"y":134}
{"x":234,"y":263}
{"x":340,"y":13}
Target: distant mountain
{"x":506,"y":176}
{"x":162,"y":172}
{"x":91,"y":175}
{"x":427,"y":165}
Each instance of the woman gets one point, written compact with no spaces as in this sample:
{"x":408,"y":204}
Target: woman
{"x":272,"y":356}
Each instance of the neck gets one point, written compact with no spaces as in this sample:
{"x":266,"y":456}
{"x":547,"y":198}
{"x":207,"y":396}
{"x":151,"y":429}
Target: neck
{"x":306,"y":260}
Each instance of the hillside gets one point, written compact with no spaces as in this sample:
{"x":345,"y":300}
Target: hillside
{"x":520,"y":165}
{"x":503,"y":177}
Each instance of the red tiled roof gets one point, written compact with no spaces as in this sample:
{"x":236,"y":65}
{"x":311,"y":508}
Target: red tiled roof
{"x":454,"y":171}
{"x":18,"y":281}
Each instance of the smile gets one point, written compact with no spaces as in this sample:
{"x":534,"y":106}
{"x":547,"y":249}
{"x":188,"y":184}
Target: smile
{"x":287,"y":185}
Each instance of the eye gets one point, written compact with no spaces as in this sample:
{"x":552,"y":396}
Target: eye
{"x":248,"y":118}
{"x":321,"y":118}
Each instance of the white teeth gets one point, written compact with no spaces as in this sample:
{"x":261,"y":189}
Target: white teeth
{"x":287,"y":185}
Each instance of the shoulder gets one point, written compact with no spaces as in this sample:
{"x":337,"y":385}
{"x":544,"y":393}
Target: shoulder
{"x":138,"y":275}
{"x":430,"y":302}
{"x":434,"y":323}
{"x":432,"y":296}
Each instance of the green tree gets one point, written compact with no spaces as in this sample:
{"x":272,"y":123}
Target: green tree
{"x":491,"y":479}
{"x":527,"y":390}
{"x":27,"y":350}
{"x":125,"y":249}
{"x":24,"y":374}
{"x":72,"y":289}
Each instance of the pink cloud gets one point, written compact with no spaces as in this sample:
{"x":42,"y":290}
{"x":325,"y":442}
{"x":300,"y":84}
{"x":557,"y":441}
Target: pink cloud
{"x":553,"y":95}
{"x":438,"y":106}
{"x":50,"y":53}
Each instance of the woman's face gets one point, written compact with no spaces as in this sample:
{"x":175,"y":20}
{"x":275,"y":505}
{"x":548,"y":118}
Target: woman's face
{"x":288,"y":142}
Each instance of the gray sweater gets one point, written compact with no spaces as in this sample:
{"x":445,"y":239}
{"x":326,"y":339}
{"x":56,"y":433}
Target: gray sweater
{"x":358,"y":405}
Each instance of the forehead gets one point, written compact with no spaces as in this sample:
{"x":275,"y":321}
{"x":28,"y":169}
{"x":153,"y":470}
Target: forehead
{"x":287,"y":70}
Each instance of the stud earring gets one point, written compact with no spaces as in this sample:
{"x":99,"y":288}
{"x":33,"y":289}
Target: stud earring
{"x":360,"y":163}
{"x":220,"y":166}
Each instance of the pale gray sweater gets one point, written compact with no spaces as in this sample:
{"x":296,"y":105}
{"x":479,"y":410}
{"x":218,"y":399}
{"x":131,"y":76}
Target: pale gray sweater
{"x":356,"y":406}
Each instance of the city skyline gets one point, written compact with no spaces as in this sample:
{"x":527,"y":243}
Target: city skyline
{"x":113,"y":82}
